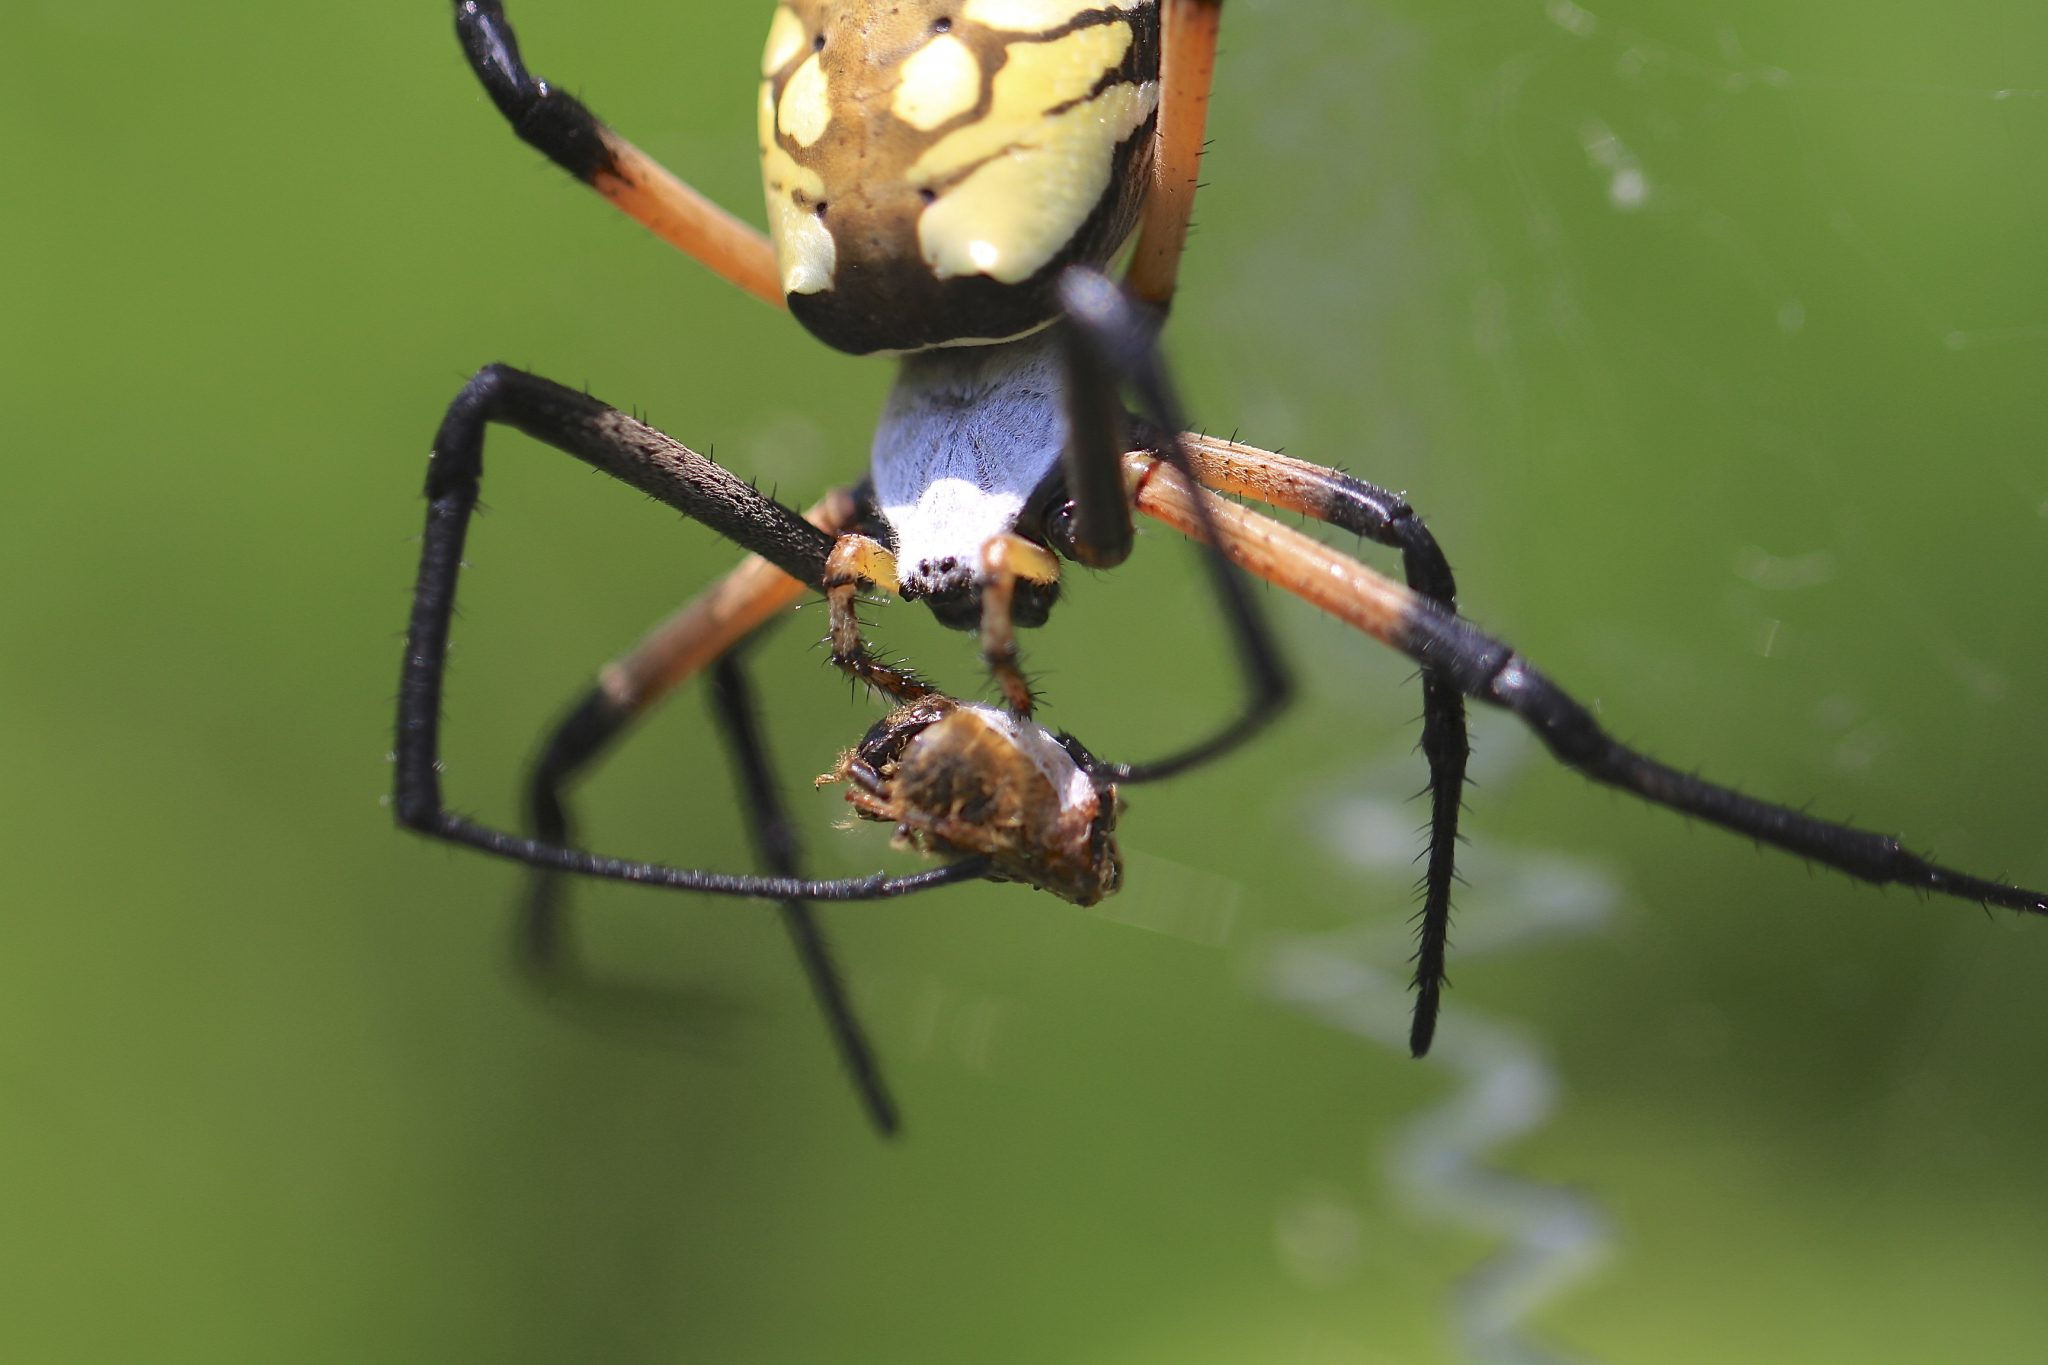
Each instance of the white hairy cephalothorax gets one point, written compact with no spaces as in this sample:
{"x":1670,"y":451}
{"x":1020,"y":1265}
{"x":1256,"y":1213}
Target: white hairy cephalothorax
{"x":965,"y":438}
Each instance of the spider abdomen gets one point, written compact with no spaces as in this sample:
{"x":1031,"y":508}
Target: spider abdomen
{"x":932,"y":165}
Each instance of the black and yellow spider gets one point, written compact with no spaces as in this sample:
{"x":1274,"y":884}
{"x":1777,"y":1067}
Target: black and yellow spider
{"x":947,"y":182}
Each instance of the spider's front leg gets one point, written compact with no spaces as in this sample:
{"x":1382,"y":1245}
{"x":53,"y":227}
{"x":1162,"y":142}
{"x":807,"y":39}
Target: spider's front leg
{"x":775,"y":840}
{"x":1111,"y":341}
{"x":703,"y":632}
{"x":664,"y":469}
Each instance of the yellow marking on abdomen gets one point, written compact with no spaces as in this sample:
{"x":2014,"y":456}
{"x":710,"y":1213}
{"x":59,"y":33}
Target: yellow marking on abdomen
{"x":1026,"y":16}
{"x":1017,"y":212}
{"x":806,"y":108}
{"x":785,"y":40}
{"x":940,"y":82}
{"x":803,"y":248}
{"x":1037,"y":77}
{"x":1031,"y":180}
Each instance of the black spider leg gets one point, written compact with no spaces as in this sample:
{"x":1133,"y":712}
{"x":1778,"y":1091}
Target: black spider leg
{"x":1491,"y":672}
{"x":1111,"y":338}
{"x":583,"y":736}
{"x":541,"y":935}
{"x":775,"y":841}
{"x":551,"y":121}
{"x":663,"y":468}
{"x":1101,"y":536}
{"x":1385,"y":518}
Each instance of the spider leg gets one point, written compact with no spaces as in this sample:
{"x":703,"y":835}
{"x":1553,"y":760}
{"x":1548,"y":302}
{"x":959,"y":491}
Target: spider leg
{"x":558,"y":125}
{"x":1385,"y":518}
{"x":1005,"y":561}
{"x":1111,"y":337}
{"x":706,"y":632}
{"x":1489,"y":671}
{"x":668,"y":471}
{"x":717,"y":620}
{"x":775,"y":842}
{"x":858,"y":559}
{"x":1093,"y":527}
{"x":1187,"y":61}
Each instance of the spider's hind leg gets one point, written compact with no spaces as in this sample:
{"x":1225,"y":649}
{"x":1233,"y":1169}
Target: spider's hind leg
{"x":558,"y":125}
{"x":1187,"y":61}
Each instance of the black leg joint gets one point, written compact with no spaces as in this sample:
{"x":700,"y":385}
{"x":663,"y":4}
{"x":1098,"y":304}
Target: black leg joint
{"x":458,"y":458}
{"x":1095,"y":521}
{"x":554,"y":123}
{"x":584,"y":733}
{"x":644,"y":458}
{"x":1454,"y":649}
{"x":1385,"y":518}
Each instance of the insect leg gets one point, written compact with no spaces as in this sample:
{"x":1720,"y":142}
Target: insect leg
{"x":668,"y":471}
{"x":559,"y":125}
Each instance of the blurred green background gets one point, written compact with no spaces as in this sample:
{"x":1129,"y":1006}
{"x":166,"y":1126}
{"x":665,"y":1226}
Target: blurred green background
{"x":1711,"y":341}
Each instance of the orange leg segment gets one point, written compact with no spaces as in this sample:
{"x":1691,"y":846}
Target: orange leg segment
{"x":680,"y":216}
{"x":702,"y":636}
{"x":713,"y":622}
{"x":1187,"y":63}
{"x":1004,"y":560}
{"x":1283,"y":556}
{"x":558,"y":125}
{"x":1490,"y":671}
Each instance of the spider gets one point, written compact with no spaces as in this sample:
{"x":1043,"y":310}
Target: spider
{"x":948,"y":182}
